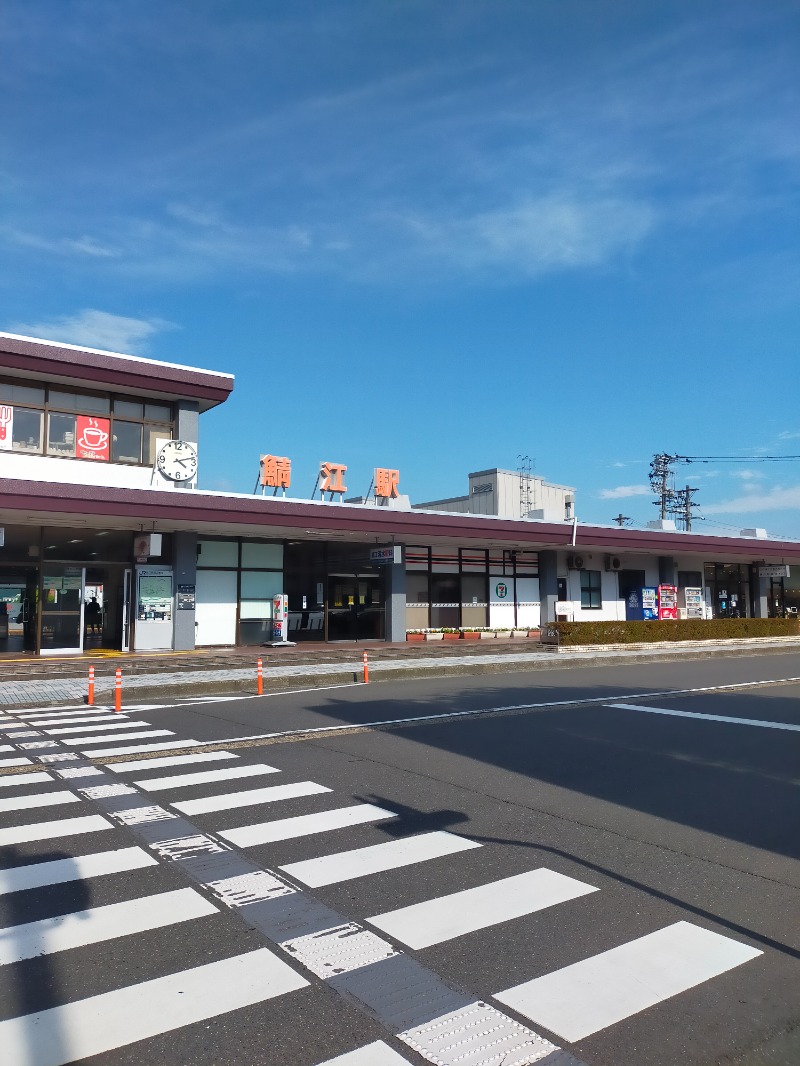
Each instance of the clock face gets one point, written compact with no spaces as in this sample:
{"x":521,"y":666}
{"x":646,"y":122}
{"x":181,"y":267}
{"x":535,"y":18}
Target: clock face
{"x":177,"y":461}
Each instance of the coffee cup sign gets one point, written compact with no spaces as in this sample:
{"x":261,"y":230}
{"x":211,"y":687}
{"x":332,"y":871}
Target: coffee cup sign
{"x":92,"y":440}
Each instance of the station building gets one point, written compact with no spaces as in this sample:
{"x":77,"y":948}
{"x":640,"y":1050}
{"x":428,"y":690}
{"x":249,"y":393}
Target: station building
{"x":108,"y":543}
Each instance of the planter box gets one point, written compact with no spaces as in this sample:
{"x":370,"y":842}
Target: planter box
{"x":487,"y":636}
{"x":417,"y":638}
{"x":519,"y":634}
{"x":470,"y":636}
{"x":503,"y":636}
{"x":434,"y":636}
{"x":451,"y":636}
{"x":534,"y":633}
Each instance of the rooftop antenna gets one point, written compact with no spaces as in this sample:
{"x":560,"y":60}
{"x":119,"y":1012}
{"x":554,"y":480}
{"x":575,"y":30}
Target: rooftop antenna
{"x":525,"y":485}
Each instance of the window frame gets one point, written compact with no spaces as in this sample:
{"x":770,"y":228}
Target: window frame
{"x":591,"y":591}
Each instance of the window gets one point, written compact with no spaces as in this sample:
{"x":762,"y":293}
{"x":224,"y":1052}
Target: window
{"x":70,"y":424}
{"x":591,"y":596}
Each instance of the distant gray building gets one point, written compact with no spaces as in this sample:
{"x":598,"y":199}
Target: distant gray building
{"x":509,"y":494}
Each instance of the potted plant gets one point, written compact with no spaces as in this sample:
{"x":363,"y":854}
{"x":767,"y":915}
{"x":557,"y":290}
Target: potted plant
{"x":451,"y":634}
{"x":415,"y":635}
{"x":502,"y":634}
{"x":434,"y":634}
{"x":470,"y":634}
{"x":519,"y":634}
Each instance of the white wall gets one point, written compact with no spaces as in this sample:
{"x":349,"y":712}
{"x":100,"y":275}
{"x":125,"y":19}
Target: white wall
{"x":215,"y":611}
{"x":53,"y":470}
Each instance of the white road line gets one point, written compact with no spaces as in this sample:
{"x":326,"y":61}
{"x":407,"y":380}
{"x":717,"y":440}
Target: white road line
{"x":231,"y":800}
{"x":205,"y":777}
{"x":591,"y":995}
{"x":63,"y":827}
{"x":377,"y":1054}
{"x":40,"y":799}
{"x":115,"y":1019}
{"x":135,"y":765}
{"x":79,"y":719}
{"x":79,"y":868}
{"x":15,"y":762}
{"x":7,"y":747}
{"x":25,"y":779}
{"x":305,"y":825}
{"x":346,"y":865}
{"x":447,"y":917}
{"x":706,"y":717}
{"x":93,"y":926}
{"x":140,"y":749}
{"x":64,"y":730}
{"x":82,"y":741}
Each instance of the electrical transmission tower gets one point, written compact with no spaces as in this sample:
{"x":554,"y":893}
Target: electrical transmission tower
{"x":622,"y":520}
{"x":525,"y":485}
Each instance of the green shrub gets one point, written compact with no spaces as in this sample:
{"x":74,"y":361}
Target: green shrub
{"x":687,"y":629}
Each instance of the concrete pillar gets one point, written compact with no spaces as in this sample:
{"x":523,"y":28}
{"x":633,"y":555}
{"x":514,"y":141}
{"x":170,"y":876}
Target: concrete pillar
{"x":187,"y":427}
{"x":760,"y":595}
{"x":548,"y":584}
{"x":185,"y":573}
{"x":396,"y":602}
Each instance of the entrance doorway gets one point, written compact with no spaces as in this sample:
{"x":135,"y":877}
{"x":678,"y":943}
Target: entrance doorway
{"x":18,"y":601}
{"x":631,"y":583}
{"x":356,"y":607}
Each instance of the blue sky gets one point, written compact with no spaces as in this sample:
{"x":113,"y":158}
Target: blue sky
{"x":432,"y":236}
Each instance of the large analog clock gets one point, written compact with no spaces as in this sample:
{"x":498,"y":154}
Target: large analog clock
{"x":177,"y":460}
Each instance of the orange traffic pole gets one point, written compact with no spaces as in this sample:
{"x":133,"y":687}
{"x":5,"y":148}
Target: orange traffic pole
{"x":366,"y":670}
{"x":118,"y":690}
{"x":260,"y":673}
{"x":90,"y":697}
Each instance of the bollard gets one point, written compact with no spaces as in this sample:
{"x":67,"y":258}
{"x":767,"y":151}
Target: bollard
{"x":90,"y":697}
{"x":118,"y":690}
{"x":260,"y":672}
{"x":366,"y":670}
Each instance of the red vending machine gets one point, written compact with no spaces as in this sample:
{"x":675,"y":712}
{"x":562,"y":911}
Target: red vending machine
{"x":667,"y":602}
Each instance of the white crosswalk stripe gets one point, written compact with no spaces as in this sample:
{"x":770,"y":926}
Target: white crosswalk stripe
{"x":82,"y":741}
{"x":97,"y":924}
{"x":162,"y":762}
{"x":64,"y":827}
{"x":231,"y":800}
{"x":346,"y":865}
{"x":75,"y":868}
{"x":591,"y":995}
{"x":114,"y":1019}
{"x":140,"y":749}
{"x":205,"y":777}
{"x":79,"y":719}
{"x":305,"y":825}
{"x":19,"y":761}
{"x":40,"y":799}
{"x":377,"y":1054}
{"x":104,"y":727}
{"x":37,"y":778}
{"x":453,"y":915}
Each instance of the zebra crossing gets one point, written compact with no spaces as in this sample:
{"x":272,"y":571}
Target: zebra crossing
{"x":420,"y":1010}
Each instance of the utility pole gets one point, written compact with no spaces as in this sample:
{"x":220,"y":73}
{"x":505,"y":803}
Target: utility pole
{"x":661,"y":482}
{"x":682,"y":507}
{"x":622,"y":520}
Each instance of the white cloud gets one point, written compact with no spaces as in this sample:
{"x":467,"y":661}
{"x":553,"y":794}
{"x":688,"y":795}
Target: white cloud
{"x":82,"y":246}
{"x":622,"y":492}
{"x":747,"y":475}
{"x":777,"y":499}
{"x":97,"y":329}
{"x":789,"y":435}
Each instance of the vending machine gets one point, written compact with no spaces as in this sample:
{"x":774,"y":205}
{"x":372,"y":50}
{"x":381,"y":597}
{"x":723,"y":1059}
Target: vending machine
{"x":280,"y":619}
{"x":650,"y":604}
{"x":667,"y":602}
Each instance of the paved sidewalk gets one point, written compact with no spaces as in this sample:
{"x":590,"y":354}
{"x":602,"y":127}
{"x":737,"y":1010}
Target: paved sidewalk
{"x":193,"y":680}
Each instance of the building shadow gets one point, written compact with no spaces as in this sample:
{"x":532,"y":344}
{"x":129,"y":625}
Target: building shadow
{"x":35,"y":987}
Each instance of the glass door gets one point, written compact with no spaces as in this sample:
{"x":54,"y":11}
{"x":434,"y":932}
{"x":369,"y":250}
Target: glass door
{"x":62,"y":610}
{"x":18,"y":597}
{"x":356,"y":607}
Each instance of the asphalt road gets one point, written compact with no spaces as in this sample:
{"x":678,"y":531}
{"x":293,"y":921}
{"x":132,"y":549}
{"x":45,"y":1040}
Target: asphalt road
{"x":516,"y":866}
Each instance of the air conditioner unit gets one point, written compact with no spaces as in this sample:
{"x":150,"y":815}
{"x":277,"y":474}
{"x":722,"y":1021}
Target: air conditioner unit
{"x":613,"y":562}
{"x":576,"y":562}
